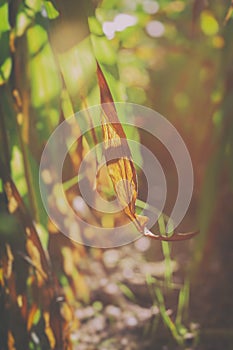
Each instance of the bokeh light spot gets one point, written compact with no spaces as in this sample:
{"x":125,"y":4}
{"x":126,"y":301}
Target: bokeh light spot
{"x":155,"y":29}
{"x":209,"y":24}
{"x":150,"y":7}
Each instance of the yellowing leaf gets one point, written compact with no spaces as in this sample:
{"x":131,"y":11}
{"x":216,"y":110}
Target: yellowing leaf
{"x":2,"y":282}
{"x":8,"y":266}
{"x":49,"y":331}
{"x":34,"y":255}
{"x":17,"y":207}
{"x":11,"y":341}
{"x":120,"y":165}
{"x":118,"y":156}
{"x":66,"y":312}
{"x":30,"y":319}
{"x":12,"y":201}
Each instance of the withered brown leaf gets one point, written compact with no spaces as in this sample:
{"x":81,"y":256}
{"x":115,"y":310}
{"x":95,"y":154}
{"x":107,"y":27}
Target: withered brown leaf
{"x":118,"y":156}
{"x":120,"y":165}
{"x":48,"y":330}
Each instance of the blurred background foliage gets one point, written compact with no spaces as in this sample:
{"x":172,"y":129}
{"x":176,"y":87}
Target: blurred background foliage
{"x":173,"y":56}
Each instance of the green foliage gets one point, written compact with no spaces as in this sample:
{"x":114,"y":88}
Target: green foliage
{"x":5,"y":57}
{"x":127,"y":292}
{"x":50,"y":9}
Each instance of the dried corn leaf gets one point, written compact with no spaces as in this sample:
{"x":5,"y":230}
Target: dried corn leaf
{"x":120,"y":165}
{"x":2,"y":282}
{"x":11,"y":341}
{"x":8,"y":262}
{"x":35,"y":257}
{"x":17,"y":207}
{"x":48,"y":330}
{"x":31,"y":316}
{"x":118,"y":156}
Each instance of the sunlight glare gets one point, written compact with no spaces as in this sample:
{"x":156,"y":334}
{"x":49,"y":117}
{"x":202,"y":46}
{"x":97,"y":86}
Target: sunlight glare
{"x":123,"y":21}
{"x":120,"y":23}
{"x":155,"y":29}
{"x":150,"y":7}
{"x":109,"y":29}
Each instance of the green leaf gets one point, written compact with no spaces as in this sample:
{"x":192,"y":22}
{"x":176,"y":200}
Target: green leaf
{"x":95,"y":26}
{"x":127,"y":292}
{"x":26,"y":15}
{"x":78,"y":68}
{"x":104,"y":51}
{"x":34,"y":5}
{"x":5,"y":66}
{"x":52,"y":12}
{"x":150,"y":280}
{"x":4,"y":9}
{"x":37,"y":40}
{"x":44,"y":77}
{"x":5,"y":57}
{"x":18,"y":174}
{"x":182,"y":303}
{"x":23,"y":20}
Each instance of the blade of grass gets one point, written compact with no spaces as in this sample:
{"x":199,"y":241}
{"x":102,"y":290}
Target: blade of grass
{"x":166,"y":247}
{"x":166,"y":318}
{"x":182,"y":302}
{"x":127,"y":292}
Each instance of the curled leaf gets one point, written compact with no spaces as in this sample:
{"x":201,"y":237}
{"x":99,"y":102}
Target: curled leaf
{"x":118,"y":156}
{"x":120,"y":165}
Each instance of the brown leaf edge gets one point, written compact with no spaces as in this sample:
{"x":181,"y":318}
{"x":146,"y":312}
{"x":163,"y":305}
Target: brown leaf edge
{"x":175,"y":237}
